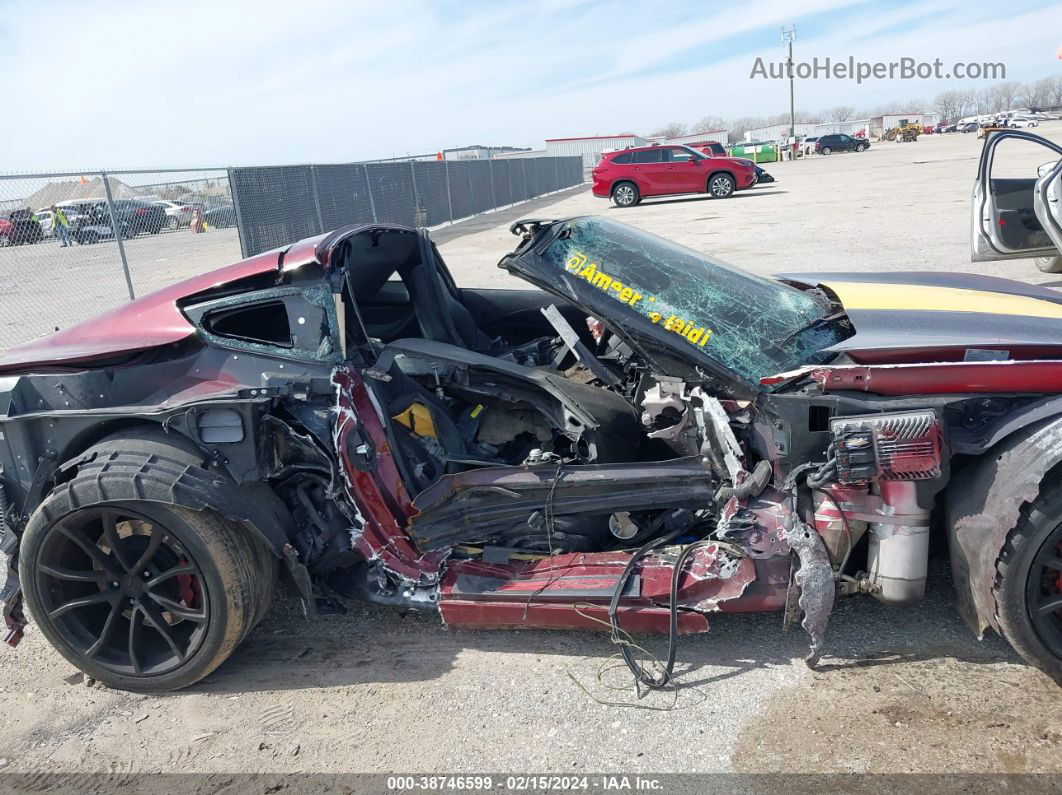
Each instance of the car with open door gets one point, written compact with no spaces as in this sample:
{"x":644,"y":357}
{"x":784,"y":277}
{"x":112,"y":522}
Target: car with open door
{"x":641,"y":439}
{"x":1016,"y":211}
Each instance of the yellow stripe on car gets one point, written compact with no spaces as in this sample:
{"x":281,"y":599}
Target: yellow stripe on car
{"x":917,"y":298}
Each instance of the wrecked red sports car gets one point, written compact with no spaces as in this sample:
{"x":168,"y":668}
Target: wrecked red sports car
{"x":648,"y":437}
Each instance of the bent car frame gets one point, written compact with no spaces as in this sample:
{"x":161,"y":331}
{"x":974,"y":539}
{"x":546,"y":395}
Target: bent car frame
{"x":646,"y":437}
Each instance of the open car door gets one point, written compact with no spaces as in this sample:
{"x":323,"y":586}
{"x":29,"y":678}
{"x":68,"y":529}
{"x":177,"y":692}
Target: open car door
{"x":1047,"y":202}
{"x":1013,"y":216}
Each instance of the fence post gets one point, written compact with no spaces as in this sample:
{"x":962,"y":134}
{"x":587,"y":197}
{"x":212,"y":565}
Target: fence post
{"x":493,"y":194}
{"x":417,"y":211}
{"x":368,"y":188}
{"x":240,"y":231}
{"x":449,"y":196}
{"x":317,"y":199}
{"x":117,"y":231}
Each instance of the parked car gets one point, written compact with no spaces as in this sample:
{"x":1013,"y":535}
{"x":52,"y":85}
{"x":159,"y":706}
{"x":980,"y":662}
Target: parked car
{"x":807,"y":146}
{"x":20,"y":228}
{"x":140,"y":216}
{"x":178,"y":214}
{"x":1019,"y":218}
{"x":221,"y":217}
{"x":1022,"y":122}
{"x":630,"y":175}
{"x":828,"y":144}
{"x":713,"y":148}
{"x":968,"y":127}
{"x":91,"y":220}
{"x":722,"y":442}
{"x":46,"y":220}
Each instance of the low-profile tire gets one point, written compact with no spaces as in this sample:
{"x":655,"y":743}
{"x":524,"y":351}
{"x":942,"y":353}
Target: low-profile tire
{"x":721,"y":186}
{"x":1049,"y":264}
{"x":171,"y":631}
{"x":1028,"y":588}
{"x":625,"y":194}
{"x":139,"y":594}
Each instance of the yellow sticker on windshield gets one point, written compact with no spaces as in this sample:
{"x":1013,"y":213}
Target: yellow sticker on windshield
{"x":579,"y":265}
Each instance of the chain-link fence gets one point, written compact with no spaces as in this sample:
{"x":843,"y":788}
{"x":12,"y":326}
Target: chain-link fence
{"x":77,"y":243}
{"x":279,"y":204}
{"x":74,"y":244}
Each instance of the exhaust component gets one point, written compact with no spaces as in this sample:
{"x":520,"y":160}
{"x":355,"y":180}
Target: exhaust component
{"x":899,"y":554}
{"x":828,"y":519}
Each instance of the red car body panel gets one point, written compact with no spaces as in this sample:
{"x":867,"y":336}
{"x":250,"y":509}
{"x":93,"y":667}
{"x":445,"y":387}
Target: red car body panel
{"x":152,"y":320}
{"x":566,"y":592}
{"x":944,"y":378}
{"x":668,"y":178}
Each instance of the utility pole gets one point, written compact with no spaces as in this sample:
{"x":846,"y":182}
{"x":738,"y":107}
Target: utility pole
{"x":788,"y":35}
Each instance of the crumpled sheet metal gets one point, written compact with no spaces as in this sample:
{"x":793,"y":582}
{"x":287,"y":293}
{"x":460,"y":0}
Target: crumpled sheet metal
{"x":817,"y":586}
{"x":984,"y":504}
{"x":725,"y":576}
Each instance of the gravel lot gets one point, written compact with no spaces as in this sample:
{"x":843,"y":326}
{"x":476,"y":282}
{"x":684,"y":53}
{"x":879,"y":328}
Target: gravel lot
{"x":374,"y":690}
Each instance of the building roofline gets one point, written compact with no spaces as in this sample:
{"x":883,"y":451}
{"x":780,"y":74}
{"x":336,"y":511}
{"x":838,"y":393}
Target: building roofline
{"x":590,"y":138}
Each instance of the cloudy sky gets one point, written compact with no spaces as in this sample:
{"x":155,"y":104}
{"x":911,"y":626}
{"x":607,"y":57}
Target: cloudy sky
{"x":117,"y":83}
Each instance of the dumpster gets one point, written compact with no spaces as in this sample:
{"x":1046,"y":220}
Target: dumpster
{"x":756,"y":151}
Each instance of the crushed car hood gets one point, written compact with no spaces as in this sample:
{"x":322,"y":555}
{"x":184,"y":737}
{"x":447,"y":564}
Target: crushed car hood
{"x":924,"y":310}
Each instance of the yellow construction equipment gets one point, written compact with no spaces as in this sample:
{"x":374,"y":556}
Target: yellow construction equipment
{"x":906,"y":131}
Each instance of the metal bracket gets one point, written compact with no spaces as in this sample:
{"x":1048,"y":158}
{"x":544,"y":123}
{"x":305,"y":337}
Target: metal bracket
{"x":576,"y":346}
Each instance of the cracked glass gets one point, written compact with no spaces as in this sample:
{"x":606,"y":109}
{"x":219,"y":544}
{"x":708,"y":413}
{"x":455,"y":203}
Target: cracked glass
{"x":752,"y":325}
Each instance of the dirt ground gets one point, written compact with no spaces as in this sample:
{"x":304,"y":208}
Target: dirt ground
{"x":377,"y":690}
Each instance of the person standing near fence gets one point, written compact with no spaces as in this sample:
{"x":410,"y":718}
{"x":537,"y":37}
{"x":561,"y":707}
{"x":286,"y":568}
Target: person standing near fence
{"x":62,"y":226}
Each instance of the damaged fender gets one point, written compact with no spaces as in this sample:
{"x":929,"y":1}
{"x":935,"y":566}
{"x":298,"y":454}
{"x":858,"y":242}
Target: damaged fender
{"x":984,"y":503}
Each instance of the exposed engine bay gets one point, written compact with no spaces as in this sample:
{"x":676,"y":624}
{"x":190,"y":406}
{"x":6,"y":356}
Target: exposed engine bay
{"x":607,"y":455}
{"x":634,"y":446}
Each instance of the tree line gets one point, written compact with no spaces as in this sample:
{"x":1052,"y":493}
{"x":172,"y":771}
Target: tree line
{"x":951,"y":105}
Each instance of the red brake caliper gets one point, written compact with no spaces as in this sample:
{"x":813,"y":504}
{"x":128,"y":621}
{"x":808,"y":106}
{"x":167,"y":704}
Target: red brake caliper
{"x":1058,"y":580}
{"x":187,"y":587}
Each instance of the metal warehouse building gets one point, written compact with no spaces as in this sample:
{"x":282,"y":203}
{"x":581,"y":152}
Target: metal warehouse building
{"x":721,"y":136}
{"x":591,"y":147}
{"x":778,"y":132}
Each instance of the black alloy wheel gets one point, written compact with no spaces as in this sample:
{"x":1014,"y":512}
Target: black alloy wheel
{"x":121,"y":591}
{"x":1043,"y":592}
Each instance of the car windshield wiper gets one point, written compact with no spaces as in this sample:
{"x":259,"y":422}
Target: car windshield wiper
{"x":816,"y":323}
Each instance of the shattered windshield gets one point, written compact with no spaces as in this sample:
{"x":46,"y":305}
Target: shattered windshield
{"x":751,"y":325}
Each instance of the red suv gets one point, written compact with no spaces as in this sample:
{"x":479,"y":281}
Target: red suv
{"x":630,"y":175}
